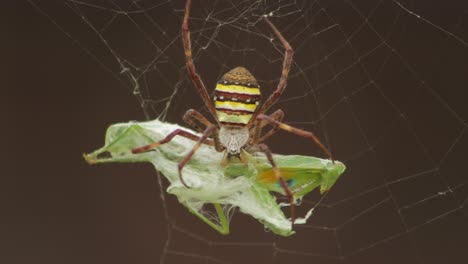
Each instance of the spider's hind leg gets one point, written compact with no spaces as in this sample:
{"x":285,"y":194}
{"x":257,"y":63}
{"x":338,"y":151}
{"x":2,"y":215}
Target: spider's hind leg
{"x":278,"y":115}
{"x":296,"y":131}
{"x":168,"y":138}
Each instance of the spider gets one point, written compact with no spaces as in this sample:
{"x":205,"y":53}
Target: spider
{"x":238,"y":113}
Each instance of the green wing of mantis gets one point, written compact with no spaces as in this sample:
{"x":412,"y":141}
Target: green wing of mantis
{"x":302,"y":174}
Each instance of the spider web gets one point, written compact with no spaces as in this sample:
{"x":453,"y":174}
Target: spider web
{"x":380,"y":82}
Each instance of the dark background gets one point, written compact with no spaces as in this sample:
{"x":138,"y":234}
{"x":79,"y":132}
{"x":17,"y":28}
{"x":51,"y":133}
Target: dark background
{"x":60,"y":93}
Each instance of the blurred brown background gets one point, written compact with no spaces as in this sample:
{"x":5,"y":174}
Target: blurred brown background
{"x":60,"y":93}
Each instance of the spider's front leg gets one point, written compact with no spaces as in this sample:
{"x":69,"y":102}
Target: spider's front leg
{"x":191,"y":65}
{"x":287,"y":61}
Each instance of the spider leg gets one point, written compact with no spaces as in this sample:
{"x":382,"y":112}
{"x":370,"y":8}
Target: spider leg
{"x":208,"y":131}
{"x":288,"y":55}
{"x":296,"y":131}
{"x":167,"y":139}
{"x":193,"y":115}
{"x":191,"y":66}
{"x":278,"y":115}
{"x":264,"y":148}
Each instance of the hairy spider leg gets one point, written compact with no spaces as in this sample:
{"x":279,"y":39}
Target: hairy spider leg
{"x":189,"y":155}
{"x":168,"y":138}
{"x":264,"y":148}
{"x":277,"y":115}
{"x":287,"y":61}
{"x":191,"y":66}
{"x":296,"y":131}
{"x":192,"y":115}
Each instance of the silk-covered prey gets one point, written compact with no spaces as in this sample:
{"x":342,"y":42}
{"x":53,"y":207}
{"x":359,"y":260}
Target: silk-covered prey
{"x":247,"y":186}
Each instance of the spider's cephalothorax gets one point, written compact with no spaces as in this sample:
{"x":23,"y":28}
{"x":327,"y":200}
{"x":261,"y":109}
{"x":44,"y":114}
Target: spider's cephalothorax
{"x":236,"y":97}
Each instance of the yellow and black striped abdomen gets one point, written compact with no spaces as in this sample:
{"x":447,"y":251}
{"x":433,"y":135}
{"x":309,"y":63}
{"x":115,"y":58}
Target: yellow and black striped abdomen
{"x":237,"y":96}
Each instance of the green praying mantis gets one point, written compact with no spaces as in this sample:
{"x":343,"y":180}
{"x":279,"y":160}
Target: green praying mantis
{"x":247,"y":186}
